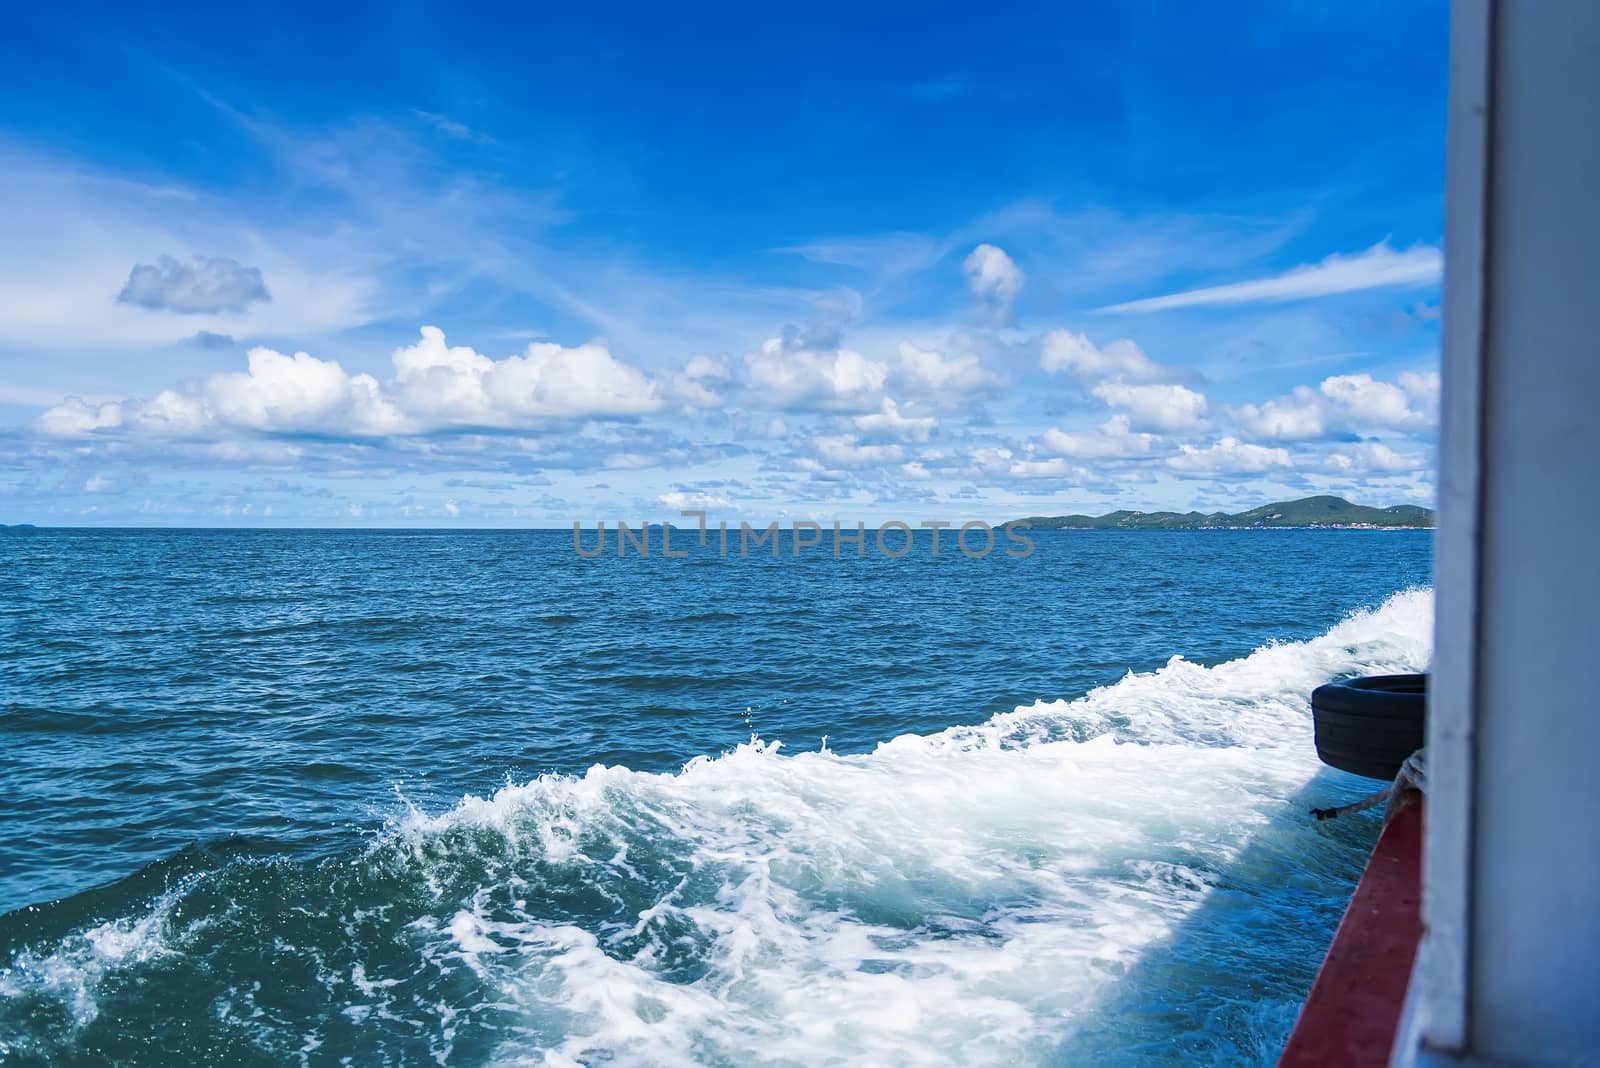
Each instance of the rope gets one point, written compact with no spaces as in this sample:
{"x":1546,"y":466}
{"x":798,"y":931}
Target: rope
{"x":1413,"y":776}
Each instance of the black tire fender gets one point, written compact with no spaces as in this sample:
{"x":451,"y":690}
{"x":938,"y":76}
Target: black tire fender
{"x":1368,"y":726}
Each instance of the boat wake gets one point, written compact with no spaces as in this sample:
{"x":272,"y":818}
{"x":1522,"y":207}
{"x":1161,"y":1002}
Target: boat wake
{"x":1128,"y":875}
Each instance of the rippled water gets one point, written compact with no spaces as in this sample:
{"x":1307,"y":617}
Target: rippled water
{"x":406,"y":796}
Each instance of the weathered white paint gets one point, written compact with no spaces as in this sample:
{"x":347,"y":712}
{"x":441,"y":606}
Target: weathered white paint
{"x":1510,"y":966}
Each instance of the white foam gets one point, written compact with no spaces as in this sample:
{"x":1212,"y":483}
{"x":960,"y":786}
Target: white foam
{"x":71,"y":973}
{"x":966,"y":897}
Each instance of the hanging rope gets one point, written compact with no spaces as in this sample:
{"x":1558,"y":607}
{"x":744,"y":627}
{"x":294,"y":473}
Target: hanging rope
{"x":1413,"y":776}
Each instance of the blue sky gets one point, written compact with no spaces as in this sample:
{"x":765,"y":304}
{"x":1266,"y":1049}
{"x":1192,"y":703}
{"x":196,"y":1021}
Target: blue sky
{"x":409,"y":268}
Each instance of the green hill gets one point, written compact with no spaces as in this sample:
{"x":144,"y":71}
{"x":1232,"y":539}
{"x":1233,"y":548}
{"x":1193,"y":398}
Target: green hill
{"x":1308,"y":512}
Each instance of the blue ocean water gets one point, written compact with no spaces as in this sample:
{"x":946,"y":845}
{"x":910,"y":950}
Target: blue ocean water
{"x":279,"y":796}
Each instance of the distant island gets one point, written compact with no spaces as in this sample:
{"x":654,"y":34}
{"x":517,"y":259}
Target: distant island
{"x":1335,"y":512}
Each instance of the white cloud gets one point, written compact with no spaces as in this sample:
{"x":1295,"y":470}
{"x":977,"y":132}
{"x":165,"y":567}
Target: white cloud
{"x":1423,"y":389}
{"x":1159,"y":408}
{"x":1298,"y":416}
{"x":990,"y":464}
{"x":923,"y":372}
{"x":74,"y":417}
{"x":890,"y":423}
{"x":289,"y":393}
{"x":1369,"y":402}
{"x":1228,"y":456}
{"x":685,"y":501}
{"x":278,"y":393}
{"x":702,"y":368}
{"x":1379,"y":267}
{"x":990,"y":459}
{"x":435,"y":387}
{"x":443,"y":386}
{"x":1113,"y":439}
{"x":1054,"y":468}
{"x":698,"y":384}
{"x":1372,"y":458}
{"x":845,"y":451}
{"x":994,"y":277}
{"x":785,"y":376}
{"x":1081,"y":358}
{"x":1343,"y":403}
{"x":689,"y":392}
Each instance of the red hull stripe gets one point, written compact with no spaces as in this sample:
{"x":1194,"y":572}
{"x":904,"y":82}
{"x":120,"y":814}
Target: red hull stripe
{"x":1349,"y":1021}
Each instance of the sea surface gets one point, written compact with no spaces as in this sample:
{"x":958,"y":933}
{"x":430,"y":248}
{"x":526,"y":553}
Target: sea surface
{"x":278,"y":797}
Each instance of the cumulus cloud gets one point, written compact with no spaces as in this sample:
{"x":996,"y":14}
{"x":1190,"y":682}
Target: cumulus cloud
{"x":699,"y":384}
{"x":1123,"y":377}
{"x":690,"y":392}
{"x":891,"y":423}
{"x":74,"y":417}
{"x":1378,"y":267}
{"x":1371,"y":402}
{"x":1229,"y":456}
{"x":209,"y":285}
{"x":1343,"y":403}
{"x":706,"y":368}
{"x":1158,"y":408}
{"x":925,"y":373}
{"x":442,"y":386}
{"x":1076,"y":355}
{"x":1299,"y":416}
{"x":786,"y":374}
{"x":435,"y":387}
{"x":989,"y":460}
{"x":1113,"y":439}
{"x":994,"y":277}
{"x":287,"y":393}
{"x":1372,"y":458}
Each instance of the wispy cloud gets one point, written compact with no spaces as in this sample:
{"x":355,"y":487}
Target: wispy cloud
{"x":1379,"y":267}
{"x":450,"y":127}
